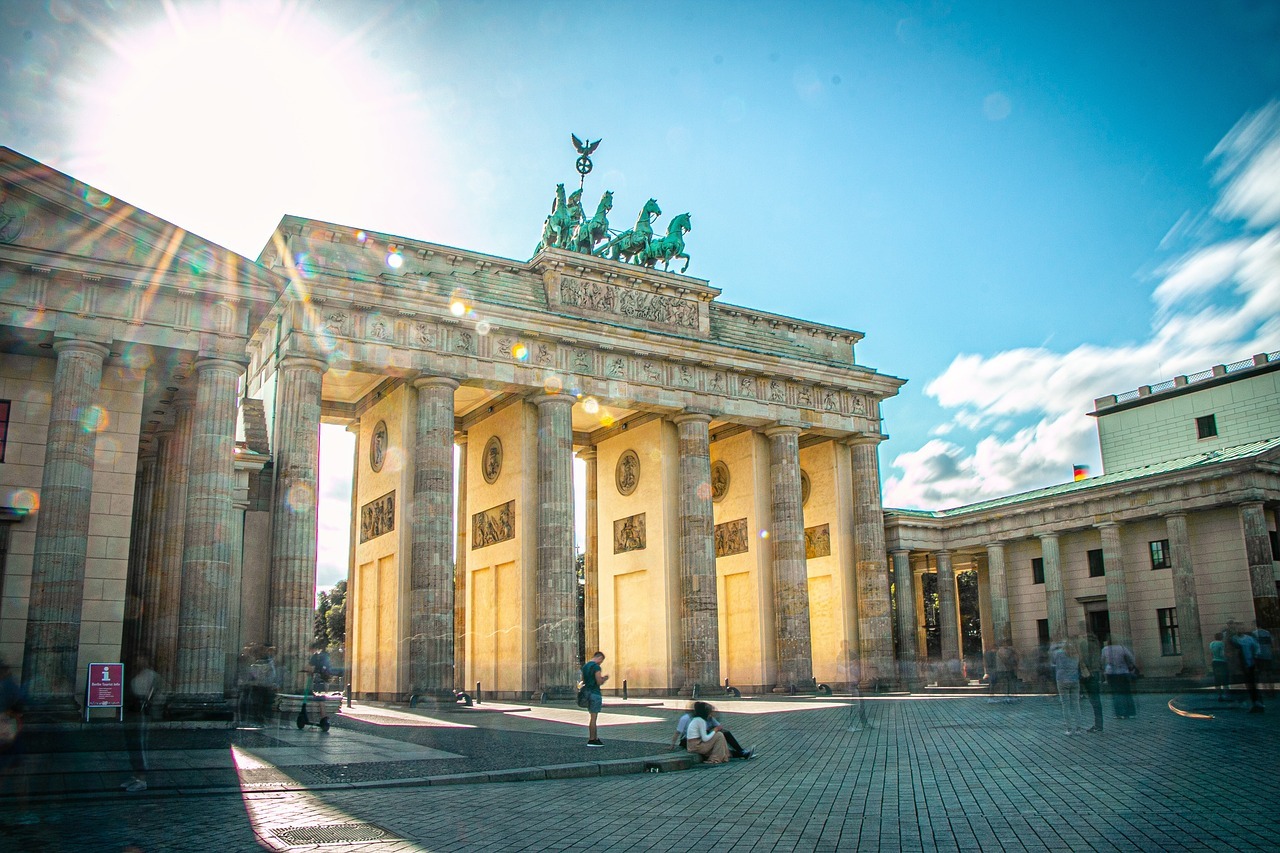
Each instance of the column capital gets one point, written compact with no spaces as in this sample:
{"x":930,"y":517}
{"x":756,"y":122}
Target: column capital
{"x":460,"y":438}
{"x":1104,"y":525}
{"x":586,"y":454}
{"x":81,"y":345}
{"x":219,"y":362}
{"x":426,"y":380}
{"x":861,"y":438}
{"x":942,"y":552}
{"x":691,"y":416}
{"x":896,"y":551}
{"x":1051,"y":536}
{"x":1175,"y":514}
{"x":997,"y":544}
{"x":555,"y":397}
{"x":309,"y":361}
{"x":782,"y":429}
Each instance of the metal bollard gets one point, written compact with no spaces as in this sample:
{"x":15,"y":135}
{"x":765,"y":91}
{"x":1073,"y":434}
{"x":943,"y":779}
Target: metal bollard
{"x":477,"y":693}
{"x":624,"y":690}
{"x":542,"y":697}
{"x":348,"y":691}
{"x":695,"y":692}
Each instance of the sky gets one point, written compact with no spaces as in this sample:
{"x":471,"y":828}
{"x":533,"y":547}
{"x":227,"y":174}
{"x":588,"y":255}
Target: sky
{"x":1023,"y":206}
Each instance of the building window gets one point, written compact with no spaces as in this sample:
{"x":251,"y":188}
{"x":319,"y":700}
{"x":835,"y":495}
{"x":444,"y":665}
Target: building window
{"x":1275,"y":545}
{"x":4,"y":426}
{"x":1160,"y":554}
{"x":1206,"y":427}
{"x":1042,"y":631}
{"x":1168,"y":619}
{"x":1096,"y":566}
{"x":1037,"y":570}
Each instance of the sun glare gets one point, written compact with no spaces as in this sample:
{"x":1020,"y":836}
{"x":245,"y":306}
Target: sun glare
{"x":257,"y":97}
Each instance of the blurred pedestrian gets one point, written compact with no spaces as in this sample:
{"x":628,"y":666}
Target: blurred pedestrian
{"x":1218,"y":656}
{"x":13,"y":781}
{"x":1091,"y":676}
{"x":1065,"y":660}
{"x":1265,"y":662}
{"x":1119,"y":668}
{"x":147,"y":697}
{"x":1247,"y":643}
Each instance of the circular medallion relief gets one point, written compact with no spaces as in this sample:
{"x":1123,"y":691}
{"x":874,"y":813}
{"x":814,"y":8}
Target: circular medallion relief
{"x":627,"y":472}
{"x":804,"y":488}
{"x":378,"y":446}
{"x":491,"y":462}
{"x":719,"y":481}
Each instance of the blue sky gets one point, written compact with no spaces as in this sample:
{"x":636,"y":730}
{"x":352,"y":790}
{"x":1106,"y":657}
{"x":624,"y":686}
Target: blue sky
{"x":1023,"y":206}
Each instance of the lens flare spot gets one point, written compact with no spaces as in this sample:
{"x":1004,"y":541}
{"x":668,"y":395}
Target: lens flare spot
{"x":25,"y":499}
{"x":301,"y":497}
{"x":94,"y":419}
{"x":96,"y":198}
{"x":553,"y":384}
{"x":607,"y":420}
{"x":591,"y":405}
{"x":395,"y":260}
{"x":520,"y":352}
{"x":460,"y":302}
{"x":704,"y":491}
{"x":764,"y":534}
{"x":484,"y":327}
{"x":304,"y":265}
{"x":361,"y":236}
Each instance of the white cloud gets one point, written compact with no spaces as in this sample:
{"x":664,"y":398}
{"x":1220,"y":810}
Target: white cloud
{"x":1215,"y":304}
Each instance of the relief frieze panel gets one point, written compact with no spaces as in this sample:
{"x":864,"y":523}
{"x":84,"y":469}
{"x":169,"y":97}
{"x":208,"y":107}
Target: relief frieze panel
{"x":731,"y":538}
{"x":671,"y":312}
{"x":378,"y":516}
{"x":629,"y":534}
{"x":493,"y":525}
{"x":817,"y":541}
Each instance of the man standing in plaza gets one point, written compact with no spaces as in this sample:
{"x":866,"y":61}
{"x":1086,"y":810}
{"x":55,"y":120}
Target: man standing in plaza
{"x":592,"y":678}
{"x":1091,"y":674}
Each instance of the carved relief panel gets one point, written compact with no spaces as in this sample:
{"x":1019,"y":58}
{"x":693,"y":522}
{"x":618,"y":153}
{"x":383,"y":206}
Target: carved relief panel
{"x":629,"y":534}
{"x":378,"y":516}
{"x":731,"y":538}
{"x":817,"y":541}
{"x":493,"y":525}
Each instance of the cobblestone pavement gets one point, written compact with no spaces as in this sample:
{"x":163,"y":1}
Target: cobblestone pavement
{"x":946,"y":773}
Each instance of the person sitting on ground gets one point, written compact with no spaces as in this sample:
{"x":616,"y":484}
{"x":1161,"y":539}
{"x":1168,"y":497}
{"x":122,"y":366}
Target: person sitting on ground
{"x":682,"y":728}
{"x":706,"y":739}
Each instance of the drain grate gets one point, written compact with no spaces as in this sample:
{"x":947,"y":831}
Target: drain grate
{"x":340,"y":833}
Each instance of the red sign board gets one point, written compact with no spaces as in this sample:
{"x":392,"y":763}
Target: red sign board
{"x":106,"y":685}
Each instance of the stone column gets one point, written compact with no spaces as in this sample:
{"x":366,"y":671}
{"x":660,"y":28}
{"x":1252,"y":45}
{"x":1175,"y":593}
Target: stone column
{"x":460,"y":569}
{"x":207,"y":538}
{"x":168,"y":578}
{"x":431,"y":561}
{"x":1257,"y":548}
{"x":875,"y":628}
{"x":790,"y":574}
{"x":62,"y":530}
{"x":591,"y":558}
{"x":139,"y":540}
{"x":699,"y":619}
{"x":557,"y":601}
{"x":1184,"y":595}
{"x":155,"y":532}
{"x":1055,"y":594}
{"x":1117,"y":590}
{"x":948,"y":623}
{"x":1001,"y":629}
{"x":908,"y":654}
{"x":291,"y":614}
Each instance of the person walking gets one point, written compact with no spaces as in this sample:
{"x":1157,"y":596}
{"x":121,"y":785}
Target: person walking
{"x":1119,"y":669}
{"x":592,"y":678}
{"x":1065,"y":661}
{"x":1249,"y":650}
{"x":147,"y":696}
{"x":1007,"y":666}
{"x":1218,"y":656}
{"x":1091,"y":677}
{"x":1265,"y":660}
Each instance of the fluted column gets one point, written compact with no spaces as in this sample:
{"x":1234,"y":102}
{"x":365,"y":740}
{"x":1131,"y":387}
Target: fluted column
{"x":948,"y":623}
{"x":557,"y":601}
{"x":1001,"y":630}
{"x":431,"y":560}
{"x":168,"y":581}
{"x":790,"y":575}
{"x":460,"y":569}
{"x":875,"y":627}
{"x":591,"y":557}
{"x":699,"y":618}
{"x":903,"y":578}
{"x":291,"y":611}
{"x":1117,"y":587}
{"x":155,"y":533}
{"x":62,"y":529}
{"x":1257,"y":547}
{"x":139,"y":541}
{"x":1184,"y":595}
{"x":207,"y":538}
{"x":1055,"y":595}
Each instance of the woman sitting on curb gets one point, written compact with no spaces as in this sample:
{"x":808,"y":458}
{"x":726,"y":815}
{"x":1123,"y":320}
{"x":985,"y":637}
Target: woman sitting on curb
{"x":704,"y":738}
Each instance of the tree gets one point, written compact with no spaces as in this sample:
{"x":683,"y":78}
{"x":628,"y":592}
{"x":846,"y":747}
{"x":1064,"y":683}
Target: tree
{"x":337,"y":615}
{"x":320,"y":627}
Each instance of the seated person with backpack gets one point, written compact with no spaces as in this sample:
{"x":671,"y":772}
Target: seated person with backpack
{"x":680,"y":740}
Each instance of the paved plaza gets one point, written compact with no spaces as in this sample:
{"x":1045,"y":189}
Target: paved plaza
{"x":1188,"y":773}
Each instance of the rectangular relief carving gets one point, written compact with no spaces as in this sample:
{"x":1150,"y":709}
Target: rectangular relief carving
{"x":593,"y":297}
{"x":493,"y":525}
{"x":378,"y":516}
{"x":731,"y":538}
{"x":817,"y":541}
{"x":628,"y":534}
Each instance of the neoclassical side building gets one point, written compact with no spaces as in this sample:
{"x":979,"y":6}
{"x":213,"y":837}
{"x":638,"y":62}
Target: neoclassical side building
{"x":1174,"y":540}
{"x":162,"y":399}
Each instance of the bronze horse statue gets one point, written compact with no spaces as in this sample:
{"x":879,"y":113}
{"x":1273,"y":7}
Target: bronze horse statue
{"x":668,"y":248}
{"x":629,"y":244}
{"x":557,"y":230}
{"x":587,"y":234}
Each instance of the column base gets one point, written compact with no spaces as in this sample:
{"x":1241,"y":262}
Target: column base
{"x":199,"y":708}
{"x":51,"y":709}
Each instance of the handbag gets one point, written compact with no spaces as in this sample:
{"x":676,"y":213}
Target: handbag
{"x":583,"y":700}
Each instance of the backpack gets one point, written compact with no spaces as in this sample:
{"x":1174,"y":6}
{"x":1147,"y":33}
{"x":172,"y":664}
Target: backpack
{"x":583,"y":700}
